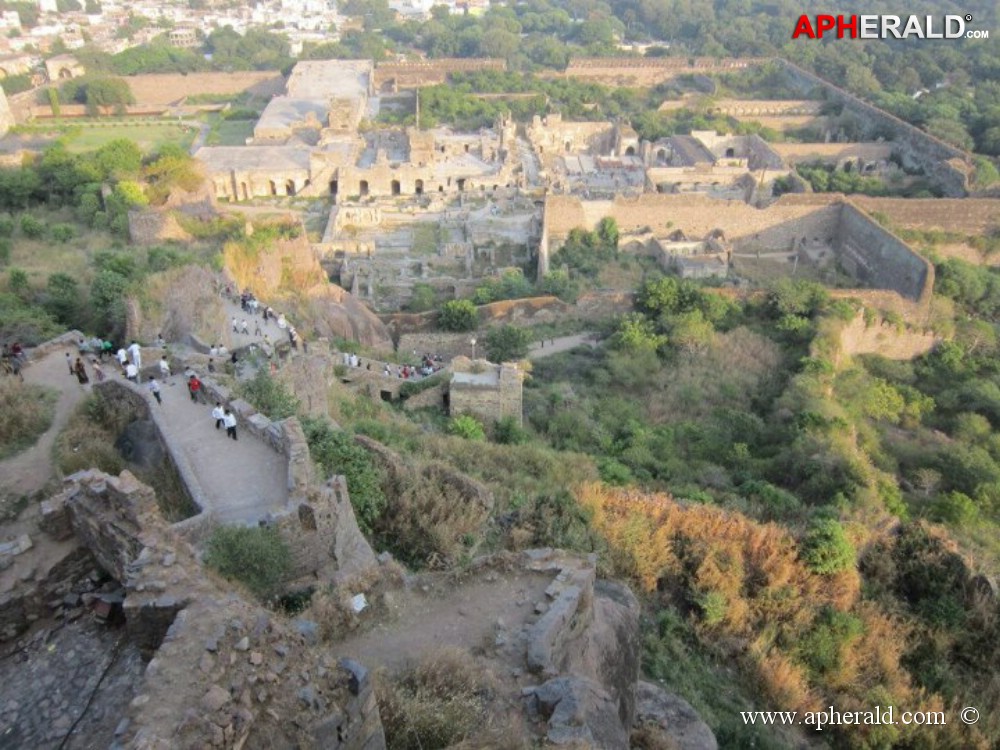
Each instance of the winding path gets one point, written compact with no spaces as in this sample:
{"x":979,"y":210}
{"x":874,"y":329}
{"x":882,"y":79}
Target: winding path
{"x":238,"y":482}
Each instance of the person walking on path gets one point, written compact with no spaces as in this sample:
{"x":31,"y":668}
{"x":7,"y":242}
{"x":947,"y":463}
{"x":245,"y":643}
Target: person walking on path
{"x":154,"y":388}
{"x":235,"y":329}
{"x":219,"y":415}
{"x":98,"y":370}
{"x":164,"y":368}
{"x":135,"y":354}
{"x":256,"y":328}
{"x":230,"y":421}
{"x":69,"y":363}
{"x":80,"y":370}
{"x":122,"y":357}
{"x":244,"y":327}
{"x":132,"y":372}
{"x":194,"y":387}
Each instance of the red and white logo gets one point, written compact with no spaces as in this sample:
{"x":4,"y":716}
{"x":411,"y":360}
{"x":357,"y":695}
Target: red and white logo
{"x":886,"y":27}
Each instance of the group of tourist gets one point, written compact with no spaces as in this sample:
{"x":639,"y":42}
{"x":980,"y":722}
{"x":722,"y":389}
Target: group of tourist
{"x":429,"y":364}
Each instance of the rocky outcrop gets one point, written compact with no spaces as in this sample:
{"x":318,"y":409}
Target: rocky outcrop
{"x":672,"y":717}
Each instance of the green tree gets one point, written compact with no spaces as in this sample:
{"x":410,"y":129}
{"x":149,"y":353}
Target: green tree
{"x":18,"y":284}
{"x":62,"y":299}
{"x":507,"y":343}
{"x":119,"y":159}
{"x":458,"y":315}
{"x":636,"y":333}
{"x":32,"y":228}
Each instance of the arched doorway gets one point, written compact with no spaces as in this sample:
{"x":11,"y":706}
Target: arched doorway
{"x":273,"y":187}
{"x":730,"y":153}
{"x":333,"y":187}
{"x":290,"y":187}
{"x":363,"y":187}
{"x":418,"y":187}
{"x":394,"y":187}
{"x":630,"y":151}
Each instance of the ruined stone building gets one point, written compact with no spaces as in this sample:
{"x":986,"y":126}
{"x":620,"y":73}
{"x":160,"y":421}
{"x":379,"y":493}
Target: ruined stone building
{"x":307,"y":142}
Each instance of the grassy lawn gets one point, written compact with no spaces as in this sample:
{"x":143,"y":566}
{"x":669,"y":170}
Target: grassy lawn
{"x":89,"y":135}
{"x":149,"y":136}
{"x":230,"y":133}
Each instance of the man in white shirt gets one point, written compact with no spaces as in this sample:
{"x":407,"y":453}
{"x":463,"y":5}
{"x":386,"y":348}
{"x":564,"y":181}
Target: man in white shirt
{"x":132,"y":372}
{"x":122,"y":357}
{"x":229,"y":420}
{"x":219,"y":415}
{"x":135,"y":354}
{"x":164,"y":368}
{"x":154,"y":388}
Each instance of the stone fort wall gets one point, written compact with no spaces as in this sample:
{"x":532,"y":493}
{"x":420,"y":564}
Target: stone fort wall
{"x":947,"y":165}
{"x":650,"y":71}
{"x":873,"y":255}
{"x":409,"y":75}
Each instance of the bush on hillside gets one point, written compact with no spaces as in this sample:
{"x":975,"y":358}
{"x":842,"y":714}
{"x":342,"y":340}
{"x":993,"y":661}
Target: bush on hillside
{"x":826,"y":549}
{"x":269,"y":396}
{"x":255,"y":556}
{"x":27,"y":413}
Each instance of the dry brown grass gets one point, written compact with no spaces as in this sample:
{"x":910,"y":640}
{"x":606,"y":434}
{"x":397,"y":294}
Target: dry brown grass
{"x":441,"y":701}
{"x":752,"y":599}
{"x":27,"y":412}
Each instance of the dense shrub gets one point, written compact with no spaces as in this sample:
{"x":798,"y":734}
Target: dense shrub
{"x":466,"y":426}
{"x":337,"y":453}
{"x":270,"y":396}
{"x":32,"y":228}
{"x":255,"y":556}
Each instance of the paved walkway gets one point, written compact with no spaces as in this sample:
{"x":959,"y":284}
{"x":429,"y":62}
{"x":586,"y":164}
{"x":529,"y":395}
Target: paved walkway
{"x":561,"y":344}
{"x":242,"y":481}
{"x":29,"y":470}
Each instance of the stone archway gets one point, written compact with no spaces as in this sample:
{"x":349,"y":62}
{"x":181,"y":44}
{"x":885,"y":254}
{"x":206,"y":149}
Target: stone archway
{"x":290,"y":187}
{"x":394,"y":187}
{"x":418,"y":187}
{"x":363,"y":187}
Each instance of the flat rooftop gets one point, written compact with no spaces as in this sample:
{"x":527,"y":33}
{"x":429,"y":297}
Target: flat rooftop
{"x":253,"y":158}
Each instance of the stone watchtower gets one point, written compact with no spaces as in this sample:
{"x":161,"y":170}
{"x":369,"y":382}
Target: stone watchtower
{"x":486,"y":390}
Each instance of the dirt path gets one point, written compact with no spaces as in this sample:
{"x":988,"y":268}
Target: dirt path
{"x":28,"y":471}
{"x":470,"y":616}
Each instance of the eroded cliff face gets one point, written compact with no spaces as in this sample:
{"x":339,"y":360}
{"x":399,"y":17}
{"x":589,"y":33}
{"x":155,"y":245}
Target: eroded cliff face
{"x":287,"y":272}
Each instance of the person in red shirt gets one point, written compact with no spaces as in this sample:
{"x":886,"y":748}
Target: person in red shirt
{"x":194,"y":387}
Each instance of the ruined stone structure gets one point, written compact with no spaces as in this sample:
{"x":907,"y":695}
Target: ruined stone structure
{"x":485,"y":390}
{"x":796,"y":229}
{"x":63,"y":67}
{"x":307,"y":142}
{"x":391,"y":77}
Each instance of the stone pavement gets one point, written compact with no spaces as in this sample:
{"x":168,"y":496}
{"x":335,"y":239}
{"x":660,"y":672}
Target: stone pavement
{"x":243,"y":480}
